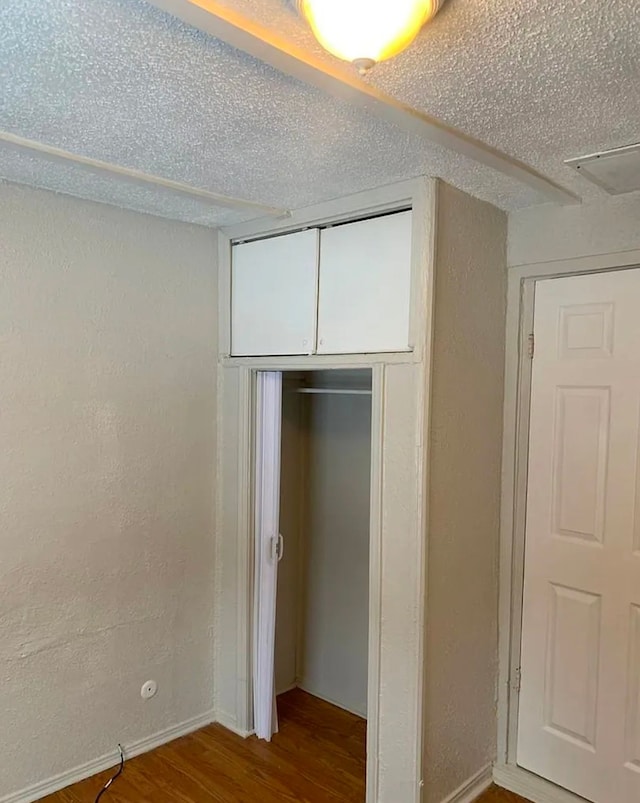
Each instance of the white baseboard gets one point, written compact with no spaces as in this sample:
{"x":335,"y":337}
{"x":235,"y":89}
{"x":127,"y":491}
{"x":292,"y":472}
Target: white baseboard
{"x":531,"y":786}
{"x":229,"y":722}
{"x":64,"y":779}
{"x":473,"y":787}
{"x":284,"y":690}
{"x":326,"y":699}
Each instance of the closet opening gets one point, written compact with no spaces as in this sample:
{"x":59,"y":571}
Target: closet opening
{"x":312,"y":544}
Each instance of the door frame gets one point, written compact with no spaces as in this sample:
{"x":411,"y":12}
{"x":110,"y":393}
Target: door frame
{"x":399,"y":497}
{"x":518,"y":369}
{"x":375,"y":562}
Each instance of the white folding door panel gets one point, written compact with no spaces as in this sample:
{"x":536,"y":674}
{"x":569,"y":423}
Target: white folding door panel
{"x":579,"y":713}
{"x":268,"y":548}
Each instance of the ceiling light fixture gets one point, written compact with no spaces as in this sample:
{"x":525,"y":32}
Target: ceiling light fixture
{"x":365,"y":32}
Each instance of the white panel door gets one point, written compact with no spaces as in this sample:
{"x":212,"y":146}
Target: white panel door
{"x":365,"y":286}
{"x":579,"y":714}
{"x":273,"y":295}
{"x":268,"y":549}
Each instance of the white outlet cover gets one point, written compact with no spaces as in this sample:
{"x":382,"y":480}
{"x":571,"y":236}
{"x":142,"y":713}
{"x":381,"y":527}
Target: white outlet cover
{"x":149,"y":689}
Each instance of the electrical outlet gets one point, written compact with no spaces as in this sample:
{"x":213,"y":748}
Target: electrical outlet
{"x":149,"y":689}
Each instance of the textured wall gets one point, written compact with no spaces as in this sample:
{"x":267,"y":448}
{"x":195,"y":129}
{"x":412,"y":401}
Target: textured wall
{"x":548,"y":233}
{"x":107,"y":414}
{"x":464,"y":493}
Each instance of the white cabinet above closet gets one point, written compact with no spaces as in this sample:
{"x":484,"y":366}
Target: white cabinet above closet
{"x":340,"y":290}
{"x":365,"y":286}
{"x":273,"y":295}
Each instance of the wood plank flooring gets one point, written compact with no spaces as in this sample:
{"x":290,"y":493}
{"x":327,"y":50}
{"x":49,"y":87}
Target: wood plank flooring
{"x":497,"y":795}
{"x":317,"y":757}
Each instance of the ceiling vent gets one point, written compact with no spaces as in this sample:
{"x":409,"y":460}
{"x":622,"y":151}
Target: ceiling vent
{"x":617,"y":171}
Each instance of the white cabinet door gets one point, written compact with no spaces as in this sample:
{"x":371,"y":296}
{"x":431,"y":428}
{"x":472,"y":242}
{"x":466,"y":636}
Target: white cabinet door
{"x":273,"y":295}
{"x":579,"y":717}
{"x":365,"y":286}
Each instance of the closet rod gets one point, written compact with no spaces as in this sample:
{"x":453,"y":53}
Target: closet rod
{"x":335,"y":391}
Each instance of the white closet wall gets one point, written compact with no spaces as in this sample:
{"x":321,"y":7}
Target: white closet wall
{"x":323,"y":583}
{"x":336,"y":554}
{"x":464,"y":494}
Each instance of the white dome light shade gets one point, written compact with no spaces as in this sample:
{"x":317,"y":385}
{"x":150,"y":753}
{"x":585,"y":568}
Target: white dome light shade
{"x":367,"y":31}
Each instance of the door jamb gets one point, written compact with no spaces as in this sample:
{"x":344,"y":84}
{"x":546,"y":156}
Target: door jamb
{"x":375,"y":582}
{"x":518,"y":367}
{"x":395,"y":766}
{"x":247,"y":567}
{"x":513,"y":518}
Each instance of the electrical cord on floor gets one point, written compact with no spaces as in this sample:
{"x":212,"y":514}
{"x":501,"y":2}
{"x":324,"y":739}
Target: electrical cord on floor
{"x":113,"y":777}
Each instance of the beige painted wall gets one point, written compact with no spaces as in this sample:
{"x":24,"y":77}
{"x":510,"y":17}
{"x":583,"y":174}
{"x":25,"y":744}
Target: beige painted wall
{"x":464,"y":493}
{"x":548,"y":233}
{"x":107,"y":426}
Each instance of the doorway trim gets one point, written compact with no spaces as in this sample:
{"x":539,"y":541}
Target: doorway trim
{"x":395,"y":762}
{"x":518,"y":369}
{"x":246,"y":588}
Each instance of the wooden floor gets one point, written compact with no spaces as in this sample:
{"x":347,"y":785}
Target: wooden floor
{"x":317,"y":757}
{"x":495,"y":795}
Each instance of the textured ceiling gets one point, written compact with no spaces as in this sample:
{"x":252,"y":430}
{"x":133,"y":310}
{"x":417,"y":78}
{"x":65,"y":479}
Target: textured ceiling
{"x":542,"y":81}
{"x":119,"y":81}
{"x":34,"y":170}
